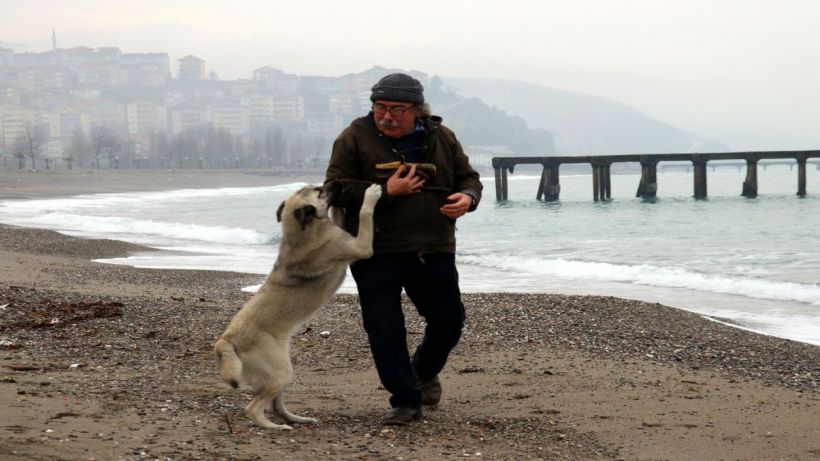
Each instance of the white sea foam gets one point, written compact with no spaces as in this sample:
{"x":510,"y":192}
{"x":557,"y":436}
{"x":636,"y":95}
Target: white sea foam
{"x":118,"y":200}
{"x":652,"y":276}
{"x":142,"y":230}
{"x":75,"y":215}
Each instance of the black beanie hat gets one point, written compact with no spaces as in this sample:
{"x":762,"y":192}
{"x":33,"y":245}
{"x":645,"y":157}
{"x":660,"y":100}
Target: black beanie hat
{"x":400,"y":88}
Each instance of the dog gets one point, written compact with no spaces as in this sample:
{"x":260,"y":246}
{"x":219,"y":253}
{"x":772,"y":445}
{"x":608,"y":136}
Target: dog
{"x":313,"y":257}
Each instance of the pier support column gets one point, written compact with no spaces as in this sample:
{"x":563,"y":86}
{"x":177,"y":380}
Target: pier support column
{"x":750,"y":184}
{"x":504,"y":188}
{"x":549,"y":187}
{"x":700,"y":178}
{"x":601,"y":183}
{"x":501,"y":178}
{"x":648,"y":187}
{"x":801,"y":176}
{"x":499,"y":192}
{"x":595,"y":181}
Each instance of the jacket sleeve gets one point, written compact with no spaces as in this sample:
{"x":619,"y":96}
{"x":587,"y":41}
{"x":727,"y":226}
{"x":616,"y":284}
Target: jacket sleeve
{"x":467,"y":179}
{"x":345,"y":169}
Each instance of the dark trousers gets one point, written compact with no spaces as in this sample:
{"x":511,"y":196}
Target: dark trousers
{"x":431,"y":283}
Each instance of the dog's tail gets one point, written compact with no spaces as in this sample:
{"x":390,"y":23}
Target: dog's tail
{"x":228,"y":363}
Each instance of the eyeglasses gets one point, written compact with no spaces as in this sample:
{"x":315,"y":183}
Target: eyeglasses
{"x":394,"y":110}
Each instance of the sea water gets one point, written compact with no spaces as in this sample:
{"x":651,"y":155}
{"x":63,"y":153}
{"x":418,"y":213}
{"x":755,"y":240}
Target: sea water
{"x":753,"y":263}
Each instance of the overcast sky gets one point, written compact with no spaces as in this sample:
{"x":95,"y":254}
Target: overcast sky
{"x":745,"y":72}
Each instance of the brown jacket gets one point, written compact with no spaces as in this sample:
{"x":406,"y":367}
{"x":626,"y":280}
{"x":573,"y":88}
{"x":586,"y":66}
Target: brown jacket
{"x":408,"y":223}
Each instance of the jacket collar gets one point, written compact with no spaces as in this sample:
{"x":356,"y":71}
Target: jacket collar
{"x":428,"y":124}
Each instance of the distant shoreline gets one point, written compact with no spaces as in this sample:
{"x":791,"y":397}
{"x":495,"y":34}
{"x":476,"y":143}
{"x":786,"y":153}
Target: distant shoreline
{"x":27,"y":184}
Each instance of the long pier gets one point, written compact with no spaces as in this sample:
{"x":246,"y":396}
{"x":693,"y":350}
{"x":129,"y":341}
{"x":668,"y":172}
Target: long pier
{"x":549,"y":187}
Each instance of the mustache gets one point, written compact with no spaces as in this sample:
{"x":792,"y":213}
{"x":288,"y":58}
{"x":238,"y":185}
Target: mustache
{"x":385,"y":123}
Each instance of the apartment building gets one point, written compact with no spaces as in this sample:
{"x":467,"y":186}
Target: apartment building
{"x":230,"y":116}
{"x":344,"y":103}
{"x":185,"y":116}
{"x":13,"y":122}
{"x":146,"y":118}
{"x":259,"y":108}
{"x":64,"y":120}
{"x":288,"y":108}
{"x":191,"y":68}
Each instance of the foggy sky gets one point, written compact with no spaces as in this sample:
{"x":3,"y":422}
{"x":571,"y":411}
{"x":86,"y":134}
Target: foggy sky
{"x":744,"y":72}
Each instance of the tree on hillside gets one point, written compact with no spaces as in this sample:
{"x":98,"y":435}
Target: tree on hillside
{"x":478,"y":124}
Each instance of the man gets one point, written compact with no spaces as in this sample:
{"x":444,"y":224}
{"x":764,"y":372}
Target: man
{"x":414,"y":244}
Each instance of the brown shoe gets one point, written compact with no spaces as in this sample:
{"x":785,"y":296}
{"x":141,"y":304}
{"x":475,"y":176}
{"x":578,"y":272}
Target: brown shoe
{"x":402,"y":416}
{"x":430,"y":390}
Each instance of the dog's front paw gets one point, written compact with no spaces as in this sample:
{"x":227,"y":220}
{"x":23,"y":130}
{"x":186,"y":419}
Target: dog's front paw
{"x":372,"y":194}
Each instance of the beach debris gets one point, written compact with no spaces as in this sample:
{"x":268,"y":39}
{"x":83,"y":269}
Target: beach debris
{"x":324,"y":334}
{"x":50,"y":313}
{"x":64,"y":414}
{"x":22,"y":367}
{"x":4,"y":306}
{"x":471,"y":369}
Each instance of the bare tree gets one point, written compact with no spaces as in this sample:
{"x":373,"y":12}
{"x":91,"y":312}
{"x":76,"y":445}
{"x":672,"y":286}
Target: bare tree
{"x":297,"y":151}
{"x":19,"y":152}
{"x":33,"y":139}
{"x":160,"y":147}
{"x":78,"y":150}
{"x":218,"y":142}
{"x":103,"y":141}
{"x":275,"y":146}
{"x":320,"y":153}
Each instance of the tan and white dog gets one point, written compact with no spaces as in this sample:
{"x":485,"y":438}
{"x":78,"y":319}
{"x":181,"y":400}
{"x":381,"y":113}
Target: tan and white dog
{"x":313,"y":259}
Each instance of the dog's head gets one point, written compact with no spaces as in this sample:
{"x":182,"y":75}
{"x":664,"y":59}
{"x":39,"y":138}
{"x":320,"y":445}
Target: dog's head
{"x":305,"y":205}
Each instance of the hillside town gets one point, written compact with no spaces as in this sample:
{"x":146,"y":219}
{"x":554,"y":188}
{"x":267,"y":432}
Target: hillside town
{"x":101,"y":108}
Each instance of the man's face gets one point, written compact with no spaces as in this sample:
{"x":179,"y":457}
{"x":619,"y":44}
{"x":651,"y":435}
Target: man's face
{"x":395,"y":119}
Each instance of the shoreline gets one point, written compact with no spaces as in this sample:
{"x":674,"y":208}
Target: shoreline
{"x":24,"y":184}
{"x":27,"y":184}
{"x":103,"y":361}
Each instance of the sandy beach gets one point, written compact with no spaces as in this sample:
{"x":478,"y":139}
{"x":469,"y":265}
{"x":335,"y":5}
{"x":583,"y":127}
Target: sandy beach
{"x":111,"y":362}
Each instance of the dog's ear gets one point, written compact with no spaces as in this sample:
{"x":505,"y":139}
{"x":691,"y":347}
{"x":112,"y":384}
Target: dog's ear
{"x":305,"y":215}
{"x":279,"y":212}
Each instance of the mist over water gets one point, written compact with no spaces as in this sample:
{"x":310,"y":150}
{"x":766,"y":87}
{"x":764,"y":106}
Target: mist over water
{"x":752,"y":262}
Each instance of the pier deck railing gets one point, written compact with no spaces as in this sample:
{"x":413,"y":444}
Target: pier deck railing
{"x":549,"y":187}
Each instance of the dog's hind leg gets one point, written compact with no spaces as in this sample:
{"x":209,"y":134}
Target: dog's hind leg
{"x":279,"y":409}
{"x":256,"y":412}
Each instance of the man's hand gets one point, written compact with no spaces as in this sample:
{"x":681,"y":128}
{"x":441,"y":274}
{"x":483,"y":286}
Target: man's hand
{"x":458,"y":206}
{"x":399,"y":184}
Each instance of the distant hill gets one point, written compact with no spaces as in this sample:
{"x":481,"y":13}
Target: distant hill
{"x":581,"y":124}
